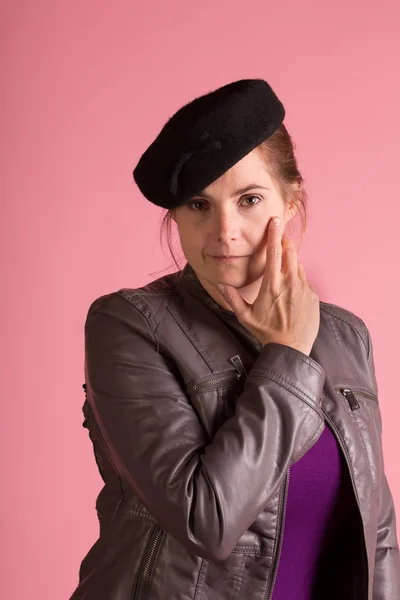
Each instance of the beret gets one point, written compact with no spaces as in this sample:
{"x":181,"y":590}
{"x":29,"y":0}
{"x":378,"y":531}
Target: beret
{"x":205,"y":138}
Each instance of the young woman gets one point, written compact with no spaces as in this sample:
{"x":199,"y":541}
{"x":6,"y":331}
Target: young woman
{"x":234,"y":416}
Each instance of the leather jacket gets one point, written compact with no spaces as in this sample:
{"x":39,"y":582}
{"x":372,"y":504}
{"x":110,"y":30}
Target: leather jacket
{"x":185,"y":410}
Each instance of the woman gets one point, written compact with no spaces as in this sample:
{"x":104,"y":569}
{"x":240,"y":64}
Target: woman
{"x":234,"y":417}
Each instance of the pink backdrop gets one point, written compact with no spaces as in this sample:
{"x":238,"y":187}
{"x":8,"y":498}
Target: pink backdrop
{"x":88,"y":86}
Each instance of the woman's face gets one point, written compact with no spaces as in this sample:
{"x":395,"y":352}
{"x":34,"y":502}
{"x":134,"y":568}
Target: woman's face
{"x":230,"y":217}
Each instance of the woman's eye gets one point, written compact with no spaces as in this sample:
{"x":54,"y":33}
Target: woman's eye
{"x":247,"y":197}
{"x":193,"y":202}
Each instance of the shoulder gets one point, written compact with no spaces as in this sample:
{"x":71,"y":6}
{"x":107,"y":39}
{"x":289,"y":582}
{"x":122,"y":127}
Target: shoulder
{"x":146,"y":302}
{"x":346,"y":321}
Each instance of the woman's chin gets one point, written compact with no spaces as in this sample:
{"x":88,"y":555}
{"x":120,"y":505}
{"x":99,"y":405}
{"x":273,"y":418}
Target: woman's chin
{"x":238,"y":273}
{"x":236,"y":278}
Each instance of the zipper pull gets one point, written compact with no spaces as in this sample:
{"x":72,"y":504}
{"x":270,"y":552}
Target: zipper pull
{"x":350,"y":397}
{"x":237,"y":363}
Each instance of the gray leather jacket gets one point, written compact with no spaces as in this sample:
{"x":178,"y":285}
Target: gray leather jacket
{"x":185,"y":411}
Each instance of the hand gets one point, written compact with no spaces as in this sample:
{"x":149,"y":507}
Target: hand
{"x":286,"y":310}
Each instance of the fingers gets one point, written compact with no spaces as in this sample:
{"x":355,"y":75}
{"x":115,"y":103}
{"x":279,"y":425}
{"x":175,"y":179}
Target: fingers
{"x":235,"y":300}
{"x":281,"y":257}
{"x":301,"y":272}
{"x":290,"y":263}
{"x":289,"y":256}
{"x":273,"y":262}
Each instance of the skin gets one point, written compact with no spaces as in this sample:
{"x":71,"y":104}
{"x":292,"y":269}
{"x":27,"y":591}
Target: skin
{"x":218,"y":221}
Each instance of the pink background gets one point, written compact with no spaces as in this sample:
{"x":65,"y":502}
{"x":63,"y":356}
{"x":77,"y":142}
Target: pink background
{"x":88,"y":85}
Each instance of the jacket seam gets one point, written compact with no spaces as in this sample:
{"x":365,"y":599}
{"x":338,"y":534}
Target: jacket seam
{"x":134,"y":512}
{"x":202,"y":354}
{"x":308,"y":446}
{"x":370,"y":459}
{"x":291,"y":387}
{"x":345,"y":355}
{"x":139,"y":310}
{"x":308,"y":361}
{"x":348,"y":323}
{"x":251,"y":550}
{"x":156,"y":341}
{"x":202,"y":573}
{"x":367,"y":335}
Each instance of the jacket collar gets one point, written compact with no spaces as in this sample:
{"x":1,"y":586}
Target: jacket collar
{"x":189,"y":281}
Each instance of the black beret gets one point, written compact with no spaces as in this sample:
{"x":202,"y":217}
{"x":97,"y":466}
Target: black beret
{"x":205,"y":138}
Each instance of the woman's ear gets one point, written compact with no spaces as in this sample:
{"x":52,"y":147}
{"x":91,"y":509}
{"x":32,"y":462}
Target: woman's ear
{"x":291,"y":210}
{"x":292,"y":206}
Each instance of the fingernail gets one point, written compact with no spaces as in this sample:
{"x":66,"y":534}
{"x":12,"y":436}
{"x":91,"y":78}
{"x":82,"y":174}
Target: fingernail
{"x":277,"y":221}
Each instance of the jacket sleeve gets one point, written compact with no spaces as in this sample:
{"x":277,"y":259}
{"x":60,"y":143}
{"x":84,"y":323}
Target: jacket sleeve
{"x":386,"y":583}
{"x":204,"y":494}
{"x":387,"y":562}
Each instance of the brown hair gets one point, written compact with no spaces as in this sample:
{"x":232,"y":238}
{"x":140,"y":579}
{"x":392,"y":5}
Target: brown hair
{"x":281,"y":163}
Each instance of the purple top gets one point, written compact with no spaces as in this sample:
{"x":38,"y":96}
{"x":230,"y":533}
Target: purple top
{"x":316,"y":484}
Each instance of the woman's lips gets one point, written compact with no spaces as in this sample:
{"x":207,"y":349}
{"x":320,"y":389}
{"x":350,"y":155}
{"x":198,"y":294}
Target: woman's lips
{"x":227,"y":258}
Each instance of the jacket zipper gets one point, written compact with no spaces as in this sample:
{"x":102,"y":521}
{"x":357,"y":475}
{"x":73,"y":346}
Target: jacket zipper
{"x":282,"y":526}
{"x":344,"y":449}
{"x":240,"y":374}
{"x":209,"y":383}
{"x":148,"y":559}
{"x":239,"y":366}
{"x":349,"y":394}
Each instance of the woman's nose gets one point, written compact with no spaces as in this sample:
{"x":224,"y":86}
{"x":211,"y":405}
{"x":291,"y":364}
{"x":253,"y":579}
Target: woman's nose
{"x":225,"y":226}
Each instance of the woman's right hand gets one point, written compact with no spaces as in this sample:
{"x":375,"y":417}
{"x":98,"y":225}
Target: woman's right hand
{"x":286,"y":309}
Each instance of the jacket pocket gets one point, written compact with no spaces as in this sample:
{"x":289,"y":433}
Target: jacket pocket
{"x":214,"y":398}
{"x":140,"y":590}
{"x":364,"y":405}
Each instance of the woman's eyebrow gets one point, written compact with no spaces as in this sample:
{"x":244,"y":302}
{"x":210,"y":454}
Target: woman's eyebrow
{"x":252,"y":186}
